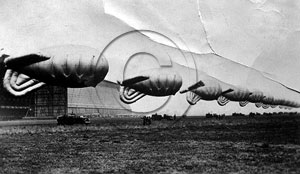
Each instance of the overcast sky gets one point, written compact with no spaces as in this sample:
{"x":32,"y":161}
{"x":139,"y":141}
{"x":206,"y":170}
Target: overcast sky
{"x":251,"y":44}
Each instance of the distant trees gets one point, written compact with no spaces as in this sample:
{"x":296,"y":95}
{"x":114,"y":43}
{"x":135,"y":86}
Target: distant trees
{"x":250,"y":115}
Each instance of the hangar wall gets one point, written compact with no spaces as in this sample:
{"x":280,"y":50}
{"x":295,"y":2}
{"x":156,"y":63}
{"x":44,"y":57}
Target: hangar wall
{"x":103,"y":100}
{"x":50,"y":101}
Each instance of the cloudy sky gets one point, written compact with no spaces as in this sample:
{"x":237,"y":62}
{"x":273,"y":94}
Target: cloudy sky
{"x":251,"y":44}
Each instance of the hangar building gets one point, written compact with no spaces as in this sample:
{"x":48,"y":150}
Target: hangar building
{"x":51,"y":101}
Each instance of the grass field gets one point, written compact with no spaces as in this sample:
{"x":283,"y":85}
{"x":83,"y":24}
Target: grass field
{"x":190,"y":145}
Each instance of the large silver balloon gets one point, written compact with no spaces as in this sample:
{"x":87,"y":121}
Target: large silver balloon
{"x":254,"y":97}
{"x":206,"y":89}
{"x":238,"y":94}
{"x":279,"y":101}
{"x":68,"y":66}
{"x":153,"y":82}
{"x":268,"y":100}
{"x":289,"y":103}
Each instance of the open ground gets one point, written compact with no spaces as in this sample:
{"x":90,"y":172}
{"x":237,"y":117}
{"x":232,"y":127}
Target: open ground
{"x":265,"y":144}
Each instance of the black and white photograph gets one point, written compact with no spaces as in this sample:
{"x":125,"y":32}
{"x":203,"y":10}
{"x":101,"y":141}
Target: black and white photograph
{"x":149,"y":86}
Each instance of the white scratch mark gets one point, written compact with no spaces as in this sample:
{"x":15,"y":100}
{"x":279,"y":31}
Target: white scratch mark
{"x":201,"y":20}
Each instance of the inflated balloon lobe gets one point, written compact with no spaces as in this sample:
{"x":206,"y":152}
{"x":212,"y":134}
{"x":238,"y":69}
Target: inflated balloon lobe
{"x":68,"y":66}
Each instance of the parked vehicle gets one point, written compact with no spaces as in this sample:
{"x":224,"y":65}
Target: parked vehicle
{"x":70,"y":119}
{"x":168,"y":117}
